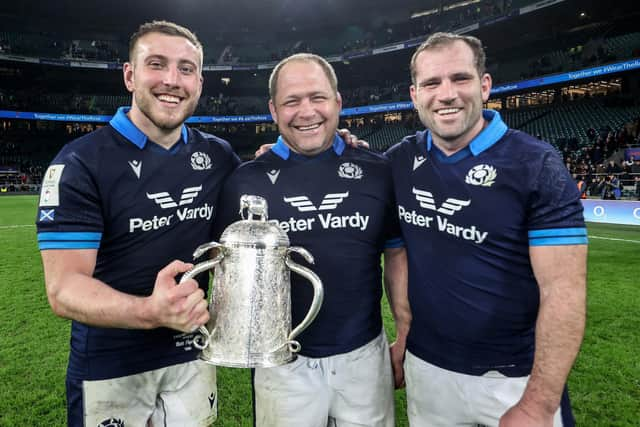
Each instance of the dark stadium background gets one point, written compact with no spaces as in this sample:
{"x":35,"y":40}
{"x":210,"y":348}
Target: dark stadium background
{"x":51,"y":51}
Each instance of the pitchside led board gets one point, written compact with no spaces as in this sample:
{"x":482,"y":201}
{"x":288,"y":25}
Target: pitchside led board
{"x":612,"y":211}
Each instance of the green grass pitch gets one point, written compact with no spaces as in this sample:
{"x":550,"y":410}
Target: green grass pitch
{"x":604,"y":384}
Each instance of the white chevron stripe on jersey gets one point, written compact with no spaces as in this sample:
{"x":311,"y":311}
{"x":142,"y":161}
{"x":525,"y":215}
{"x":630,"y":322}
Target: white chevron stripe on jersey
{"x":188,"y":194}
{"x":163,"y":199}
{"x":453,"y":205}
{"x":301,"y":202}
{"x":425,"y":198}
{"x":332,"y":200}
{"x":449,"y":207}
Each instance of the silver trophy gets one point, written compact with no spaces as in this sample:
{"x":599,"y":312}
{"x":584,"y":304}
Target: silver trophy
{"x":250,"y":302}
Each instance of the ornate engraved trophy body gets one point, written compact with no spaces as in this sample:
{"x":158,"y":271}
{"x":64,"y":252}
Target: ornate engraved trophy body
{"x":250,"y":302}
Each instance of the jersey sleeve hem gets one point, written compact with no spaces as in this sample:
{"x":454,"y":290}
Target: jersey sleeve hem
{"x":69,"y":240}
{"x":394,"y":243}
{"x":558,"y":237}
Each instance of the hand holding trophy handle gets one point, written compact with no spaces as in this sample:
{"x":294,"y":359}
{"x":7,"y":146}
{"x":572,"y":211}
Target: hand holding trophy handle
{"x":202,"y":341}
{"x":318,"y":294}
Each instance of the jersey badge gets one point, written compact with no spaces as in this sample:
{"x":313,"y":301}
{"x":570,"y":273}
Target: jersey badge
{"x":46,"y":215}
{"x":273,"y":175}
{"x":200,"y":161}
{"x":136,"y":166}
{"x":350,"y":171}
{"x":112,"y":422}
{"x":483,"y":175}
{"x":418,"y":161}
{"x":50,"y":191}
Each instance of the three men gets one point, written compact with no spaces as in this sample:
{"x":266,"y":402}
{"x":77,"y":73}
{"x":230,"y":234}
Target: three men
{"x":490,"y":218}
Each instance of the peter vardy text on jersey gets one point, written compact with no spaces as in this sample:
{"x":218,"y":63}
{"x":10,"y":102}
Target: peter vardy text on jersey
{"x":443,"y":224}
{"x":326,"y":221}
{"x":184,"y":214}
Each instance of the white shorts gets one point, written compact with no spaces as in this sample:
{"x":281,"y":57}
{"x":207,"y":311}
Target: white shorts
{"x":178,"y":395}
{"x":345,"y":390}
{"x":438,"y":397}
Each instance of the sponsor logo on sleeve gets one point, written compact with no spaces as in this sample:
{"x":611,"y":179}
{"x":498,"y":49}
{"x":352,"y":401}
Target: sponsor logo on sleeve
{"x":46,"y":215}
{"x":50,"y":191}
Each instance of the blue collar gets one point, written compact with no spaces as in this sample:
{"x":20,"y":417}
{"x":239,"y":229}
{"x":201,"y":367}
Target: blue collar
{"x":126,"y":128}
{"x":487,"y":137}
{"x":282,"y":150}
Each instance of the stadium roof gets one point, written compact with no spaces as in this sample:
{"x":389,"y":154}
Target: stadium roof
{"x":203,"y":15}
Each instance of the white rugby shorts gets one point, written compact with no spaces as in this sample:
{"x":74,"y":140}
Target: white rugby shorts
{"x":438,"y":397}
{"x":353,"y":389}
{"x":180,"y":395}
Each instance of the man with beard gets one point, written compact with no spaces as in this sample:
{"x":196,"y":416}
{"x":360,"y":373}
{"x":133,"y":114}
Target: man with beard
{"x":496,"y":245}
{"x":119,"y":209}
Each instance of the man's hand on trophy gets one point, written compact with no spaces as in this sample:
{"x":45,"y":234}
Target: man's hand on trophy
{"x":345,"y":134}
{"x":181,"y":307}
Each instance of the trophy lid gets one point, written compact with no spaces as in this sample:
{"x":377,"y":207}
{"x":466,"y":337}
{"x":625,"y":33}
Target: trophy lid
{"x":255,"y":233}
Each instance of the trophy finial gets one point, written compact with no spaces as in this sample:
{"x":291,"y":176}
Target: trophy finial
{"x":255,"y":206}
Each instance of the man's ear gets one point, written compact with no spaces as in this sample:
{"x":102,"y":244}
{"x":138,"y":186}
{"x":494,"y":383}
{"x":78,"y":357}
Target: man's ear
{"x":485,"y":85}
{"x":127,"y":74}
{"x":272,"y":109}
{"x":412,"y":94}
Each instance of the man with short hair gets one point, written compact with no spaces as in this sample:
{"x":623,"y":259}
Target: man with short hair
{"x":337,"y":202}
{"x":119,"y":208}
{"x":496,"y":244}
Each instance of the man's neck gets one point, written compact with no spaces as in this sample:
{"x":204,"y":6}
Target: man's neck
{"x":451,"y":147}
{"x":164,"y":138}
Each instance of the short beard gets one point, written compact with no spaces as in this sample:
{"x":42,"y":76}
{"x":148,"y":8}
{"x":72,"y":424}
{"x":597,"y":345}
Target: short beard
{"x":165,"y":125}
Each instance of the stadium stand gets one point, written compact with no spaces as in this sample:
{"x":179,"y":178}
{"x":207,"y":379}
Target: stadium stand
{"x":577,"y":119}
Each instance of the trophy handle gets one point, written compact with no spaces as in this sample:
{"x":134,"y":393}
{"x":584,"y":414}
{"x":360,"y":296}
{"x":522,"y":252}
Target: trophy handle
{"x":201,"y":341}
{"x":318,"y":294}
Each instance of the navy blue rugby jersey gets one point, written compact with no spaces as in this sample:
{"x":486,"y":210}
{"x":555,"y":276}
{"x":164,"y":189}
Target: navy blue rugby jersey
{"x":468,"y":221}
{"x":338,"y":205}
{"x":141,"y":207}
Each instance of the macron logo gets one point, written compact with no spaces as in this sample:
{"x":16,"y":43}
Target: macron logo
{"x":273,"y":175}
{"x":330,"y":201}
{"x":136,"y":165}
{"x":165,"y":200}
{"x":449,"y":207}
{"x":418,"y":161}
